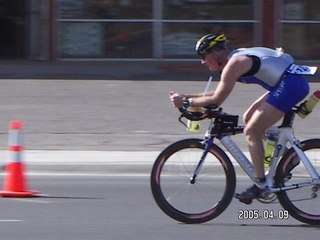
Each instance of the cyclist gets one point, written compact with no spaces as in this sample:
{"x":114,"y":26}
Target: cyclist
{"x":264,"y":66}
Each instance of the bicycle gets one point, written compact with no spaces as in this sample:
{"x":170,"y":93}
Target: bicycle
{"x":193,"y":180}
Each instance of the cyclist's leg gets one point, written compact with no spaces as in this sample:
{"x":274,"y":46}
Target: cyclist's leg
{"x":264,"y":113}
{"x":263,"y":117}
{"x":248,"y":114}
{"x":269,"y":109}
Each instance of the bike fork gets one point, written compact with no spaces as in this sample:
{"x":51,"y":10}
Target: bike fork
{"x":208,"y":142}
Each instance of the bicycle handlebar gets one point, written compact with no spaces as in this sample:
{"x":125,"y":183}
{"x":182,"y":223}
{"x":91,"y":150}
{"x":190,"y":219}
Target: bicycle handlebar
{"x":207,"y":112}
{"x":193,"y":116}
{"x":224,"y":122}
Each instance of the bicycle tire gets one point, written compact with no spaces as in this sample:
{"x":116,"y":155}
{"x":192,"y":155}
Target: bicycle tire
{"x":167,"y":172}
{"x":287,"y":173}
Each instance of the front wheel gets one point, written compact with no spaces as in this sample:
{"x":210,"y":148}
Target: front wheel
{"x":301,"y":203}
{"x":187,"y":201}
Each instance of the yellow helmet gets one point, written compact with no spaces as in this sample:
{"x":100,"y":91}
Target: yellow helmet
{"x":209,"y":41}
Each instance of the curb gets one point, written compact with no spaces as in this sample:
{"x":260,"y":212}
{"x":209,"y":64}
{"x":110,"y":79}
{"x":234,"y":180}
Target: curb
{"x":86,"y":162}
{"x":91,"y":162}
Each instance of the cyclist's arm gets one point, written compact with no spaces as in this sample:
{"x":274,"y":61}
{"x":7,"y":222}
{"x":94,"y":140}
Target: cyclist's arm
{"x":235,"y":68}
{"x":198,"y":95}
{"x":178,"y":98}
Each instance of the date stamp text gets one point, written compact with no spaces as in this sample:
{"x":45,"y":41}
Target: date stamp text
{"x":255,"y":214}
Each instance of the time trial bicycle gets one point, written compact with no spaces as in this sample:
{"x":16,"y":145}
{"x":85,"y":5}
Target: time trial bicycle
{"x":193,"y":180}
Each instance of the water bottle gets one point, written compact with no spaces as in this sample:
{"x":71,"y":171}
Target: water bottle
{"x":272,"y":138}
{"x":194,"y":126}
{"x":306,"y":107}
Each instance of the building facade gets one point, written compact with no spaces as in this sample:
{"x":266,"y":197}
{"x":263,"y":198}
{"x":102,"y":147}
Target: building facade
{"x":155,"y":29}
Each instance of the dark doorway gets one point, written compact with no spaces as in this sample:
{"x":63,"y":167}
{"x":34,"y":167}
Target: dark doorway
{"x":12,"y":28}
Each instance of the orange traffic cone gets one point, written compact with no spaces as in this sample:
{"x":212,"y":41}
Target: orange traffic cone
{"x":15,"y":183}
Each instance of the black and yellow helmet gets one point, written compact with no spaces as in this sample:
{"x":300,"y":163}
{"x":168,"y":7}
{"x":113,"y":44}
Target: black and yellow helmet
{"x":209,"y":41}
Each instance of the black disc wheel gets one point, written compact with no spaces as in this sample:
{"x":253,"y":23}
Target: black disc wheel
{"x":190,"y":201}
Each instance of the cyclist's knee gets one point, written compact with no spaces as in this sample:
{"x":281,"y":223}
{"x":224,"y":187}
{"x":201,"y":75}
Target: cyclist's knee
{"x":253,"y":133}
{"x":247,"y":115}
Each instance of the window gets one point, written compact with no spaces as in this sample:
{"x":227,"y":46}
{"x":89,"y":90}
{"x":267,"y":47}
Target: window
{"x":180,"y":38}
{"x":187,"y":20}
{"x":105,"y":9}
{"x":208,"y":9}
{"x":300,"y":28}
{"x":149,"y":28}
{"x":105,"y":28}
{"x":105,"y":40}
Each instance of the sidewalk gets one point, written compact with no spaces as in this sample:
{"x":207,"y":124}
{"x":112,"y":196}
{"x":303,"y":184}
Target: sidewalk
{"x":110,"y":70}
{"x":103,"y":70}
{"x":89,"y":162}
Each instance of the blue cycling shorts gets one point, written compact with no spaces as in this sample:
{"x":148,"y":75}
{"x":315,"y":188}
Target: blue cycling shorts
{"x":292,"y":89}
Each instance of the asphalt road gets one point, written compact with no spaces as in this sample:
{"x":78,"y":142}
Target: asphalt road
{"x":109,"y":207}
{"x":112,"y":115}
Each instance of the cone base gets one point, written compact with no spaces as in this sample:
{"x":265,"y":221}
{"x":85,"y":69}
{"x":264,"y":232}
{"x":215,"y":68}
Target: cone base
{"x":30,"y":193}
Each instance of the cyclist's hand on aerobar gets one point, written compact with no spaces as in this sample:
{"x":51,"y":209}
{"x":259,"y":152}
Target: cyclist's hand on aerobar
{"x":176,"y":99}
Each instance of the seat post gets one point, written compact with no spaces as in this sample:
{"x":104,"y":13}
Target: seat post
{"x":288,"y":119}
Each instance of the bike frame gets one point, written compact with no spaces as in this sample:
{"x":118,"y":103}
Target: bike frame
{"x":286,"y":137}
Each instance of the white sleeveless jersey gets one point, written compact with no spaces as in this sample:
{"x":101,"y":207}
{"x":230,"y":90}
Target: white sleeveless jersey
{"x":273,"y":65}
